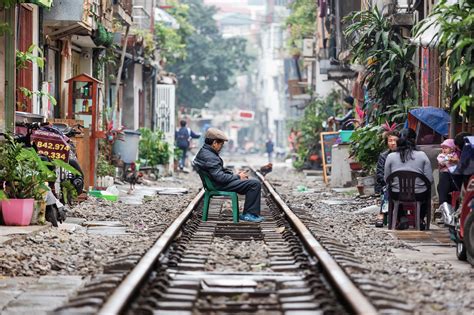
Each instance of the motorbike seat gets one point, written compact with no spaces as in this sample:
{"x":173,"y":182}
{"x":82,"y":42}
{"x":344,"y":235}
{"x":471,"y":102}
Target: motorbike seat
{"x":63,"y":128}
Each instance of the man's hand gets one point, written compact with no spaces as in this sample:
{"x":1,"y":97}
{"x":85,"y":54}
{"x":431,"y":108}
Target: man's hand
{"x":243,"y":175}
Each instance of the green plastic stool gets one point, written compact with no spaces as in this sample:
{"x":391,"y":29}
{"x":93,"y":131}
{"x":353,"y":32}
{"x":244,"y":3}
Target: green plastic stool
{"x":211,"y":191}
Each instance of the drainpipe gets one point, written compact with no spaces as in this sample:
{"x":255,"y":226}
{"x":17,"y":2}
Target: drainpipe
{"x":154,"y":82}
{"x":117,"y":118}
{"x":10,"y":68}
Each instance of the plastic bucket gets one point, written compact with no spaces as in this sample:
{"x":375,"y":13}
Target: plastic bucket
{"x":17,"y":211}
{"x":128,"y":148}
{"x":345,"y":135}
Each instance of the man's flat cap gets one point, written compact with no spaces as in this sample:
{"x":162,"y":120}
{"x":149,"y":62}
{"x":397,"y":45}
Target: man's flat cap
{"x":216,"y":134}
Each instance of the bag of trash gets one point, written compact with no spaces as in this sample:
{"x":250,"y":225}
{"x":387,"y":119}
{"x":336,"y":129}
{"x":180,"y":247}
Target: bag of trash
{"x":113,"y":190}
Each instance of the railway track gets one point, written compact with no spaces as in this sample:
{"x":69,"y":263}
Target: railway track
{"x":274,"y":267}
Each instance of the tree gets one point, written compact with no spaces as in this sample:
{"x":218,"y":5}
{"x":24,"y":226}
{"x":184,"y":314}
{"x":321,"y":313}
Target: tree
{"x":388,"y":61}
{"x":301,"y":23}
{"x":211,"y":61}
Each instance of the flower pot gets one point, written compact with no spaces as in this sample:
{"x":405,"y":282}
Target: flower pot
{"x":17,"y":211}
{"x":355,"y":166}
{"x":360,"y":188}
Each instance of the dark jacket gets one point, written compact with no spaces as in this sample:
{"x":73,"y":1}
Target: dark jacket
{"x":183,"y":135}
{"x":346,"y":121}
{"x":209,"y":161}
{"x":379,"y":173}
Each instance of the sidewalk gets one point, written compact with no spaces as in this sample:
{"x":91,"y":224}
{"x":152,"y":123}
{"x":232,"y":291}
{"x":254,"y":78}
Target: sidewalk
{"x":28,"y":295}
{"x":9,"y":233}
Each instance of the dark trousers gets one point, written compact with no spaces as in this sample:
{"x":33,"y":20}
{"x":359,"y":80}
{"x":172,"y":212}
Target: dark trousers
{"x":182,"y":161}
{"x":445,"y":186}
{"x":251,"y":188}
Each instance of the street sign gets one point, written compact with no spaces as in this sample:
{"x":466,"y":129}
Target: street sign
{"x":246,"y":114}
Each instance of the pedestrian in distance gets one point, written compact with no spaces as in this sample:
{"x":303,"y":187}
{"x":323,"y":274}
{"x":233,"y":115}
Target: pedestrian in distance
{"x":269,"y":149}
{"x":208,"y":160}
{"x":183,"y":138}
{"x":345,"y":122}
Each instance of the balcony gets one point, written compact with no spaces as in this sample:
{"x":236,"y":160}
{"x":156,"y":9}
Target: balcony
{"x":78,"y":17}
{"x":142,"y":14}
{"x":123,"y":10}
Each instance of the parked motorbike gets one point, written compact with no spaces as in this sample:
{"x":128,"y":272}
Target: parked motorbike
{"x":53,"y":142}
{"x":459,"y":215}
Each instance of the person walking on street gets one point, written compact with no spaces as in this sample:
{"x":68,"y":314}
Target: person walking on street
{"x":183,"y":137}
{"x":208,"y":160}
{"x":269,"y":149}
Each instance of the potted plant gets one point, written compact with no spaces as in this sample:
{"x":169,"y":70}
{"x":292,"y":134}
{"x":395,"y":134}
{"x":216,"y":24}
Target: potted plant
{"x":23,"y":175}
{"x":153,"y":149}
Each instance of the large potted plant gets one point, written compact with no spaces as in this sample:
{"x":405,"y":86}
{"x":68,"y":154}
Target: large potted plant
{"x":23,"y":175}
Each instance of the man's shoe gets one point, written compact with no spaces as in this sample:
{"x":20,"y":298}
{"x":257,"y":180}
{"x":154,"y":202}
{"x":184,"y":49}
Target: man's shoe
{"x":251,"y":218}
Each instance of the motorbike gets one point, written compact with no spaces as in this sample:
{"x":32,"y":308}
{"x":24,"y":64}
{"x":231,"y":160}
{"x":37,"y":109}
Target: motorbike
{"x":53,"y":142}
{"x":459,"y":215}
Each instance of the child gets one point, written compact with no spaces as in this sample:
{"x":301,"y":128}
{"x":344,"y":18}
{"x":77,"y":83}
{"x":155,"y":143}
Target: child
{"x":447,"y":162}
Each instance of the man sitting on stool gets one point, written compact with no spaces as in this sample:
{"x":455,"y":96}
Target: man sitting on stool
{"x":209,"y":161}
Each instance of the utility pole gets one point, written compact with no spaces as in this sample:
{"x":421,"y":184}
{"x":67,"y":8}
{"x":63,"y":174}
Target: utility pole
{"x":338,"y":27}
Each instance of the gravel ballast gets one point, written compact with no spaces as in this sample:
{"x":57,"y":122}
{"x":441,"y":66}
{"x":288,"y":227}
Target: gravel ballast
{"x":431,"y":286}
{"x":57,"y":251}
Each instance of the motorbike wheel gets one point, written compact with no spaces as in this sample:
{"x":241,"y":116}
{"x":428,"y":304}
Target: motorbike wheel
{"x":78,"y":181}
{"x":469,"y":238}
{"x":461,"y":250}
{"x":52,"y":215}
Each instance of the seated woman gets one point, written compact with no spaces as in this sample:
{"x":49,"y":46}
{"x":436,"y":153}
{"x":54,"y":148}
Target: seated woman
{"x":391,"y":138}
{"x":408,"y":158}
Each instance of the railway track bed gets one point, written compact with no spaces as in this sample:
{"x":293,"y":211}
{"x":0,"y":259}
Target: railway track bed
{"x":218,"y":267}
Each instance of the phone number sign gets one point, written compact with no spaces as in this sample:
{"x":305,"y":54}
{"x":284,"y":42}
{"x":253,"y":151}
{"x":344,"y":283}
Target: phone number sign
{"x":51,"y":145}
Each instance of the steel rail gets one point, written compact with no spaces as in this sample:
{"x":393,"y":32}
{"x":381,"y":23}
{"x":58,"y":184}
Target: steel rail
{"x":356,"y":300}
{"x":119,"y":299}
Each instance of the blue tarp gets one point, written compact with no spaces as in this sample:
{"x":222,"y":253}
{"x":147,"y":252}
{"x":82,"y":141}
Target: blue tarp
{"x":435,"y":118}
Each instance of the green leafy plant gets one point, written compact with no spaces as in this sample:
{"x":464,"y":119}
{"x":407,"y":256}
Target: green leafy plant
{"x":23,"y":172}
{"x":310,"y":127}
{"x":170,"y":41}
{"x":153,"y":148}
{"x":23,"y":59}
{"x":366,"y":145}
{"x":104,"y":168}
{"x":148,"y":42}
{"x":456,"y":46}
{"x":301,"y":23}
{"x":387,"y":58}
{"x":69,"y":192}
{"x":177,"y":153}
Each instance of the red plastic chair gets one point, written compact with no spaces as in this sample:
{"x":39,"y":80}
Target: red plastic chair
{"x":406,"y":183}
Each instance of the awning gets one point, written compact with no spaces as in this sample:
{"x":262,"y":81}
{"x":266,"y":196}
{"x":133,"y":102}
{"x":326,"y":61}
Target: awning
{"x":429,"y":37}
{"x":434,"y":117}
{"x":42,"y":3}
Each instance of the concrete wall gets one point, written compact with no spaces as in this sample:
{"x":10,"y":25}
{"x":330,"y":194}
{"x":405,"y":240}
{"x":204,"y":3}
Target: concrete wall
{"x":128,"y":95}
{"x":132,"y":86}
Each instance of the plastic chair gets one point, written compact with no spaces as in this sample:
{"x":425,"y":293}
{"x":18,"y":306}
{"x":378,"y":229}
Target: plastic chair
{"x":406,"y":180}
{"x":211,"y":191}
